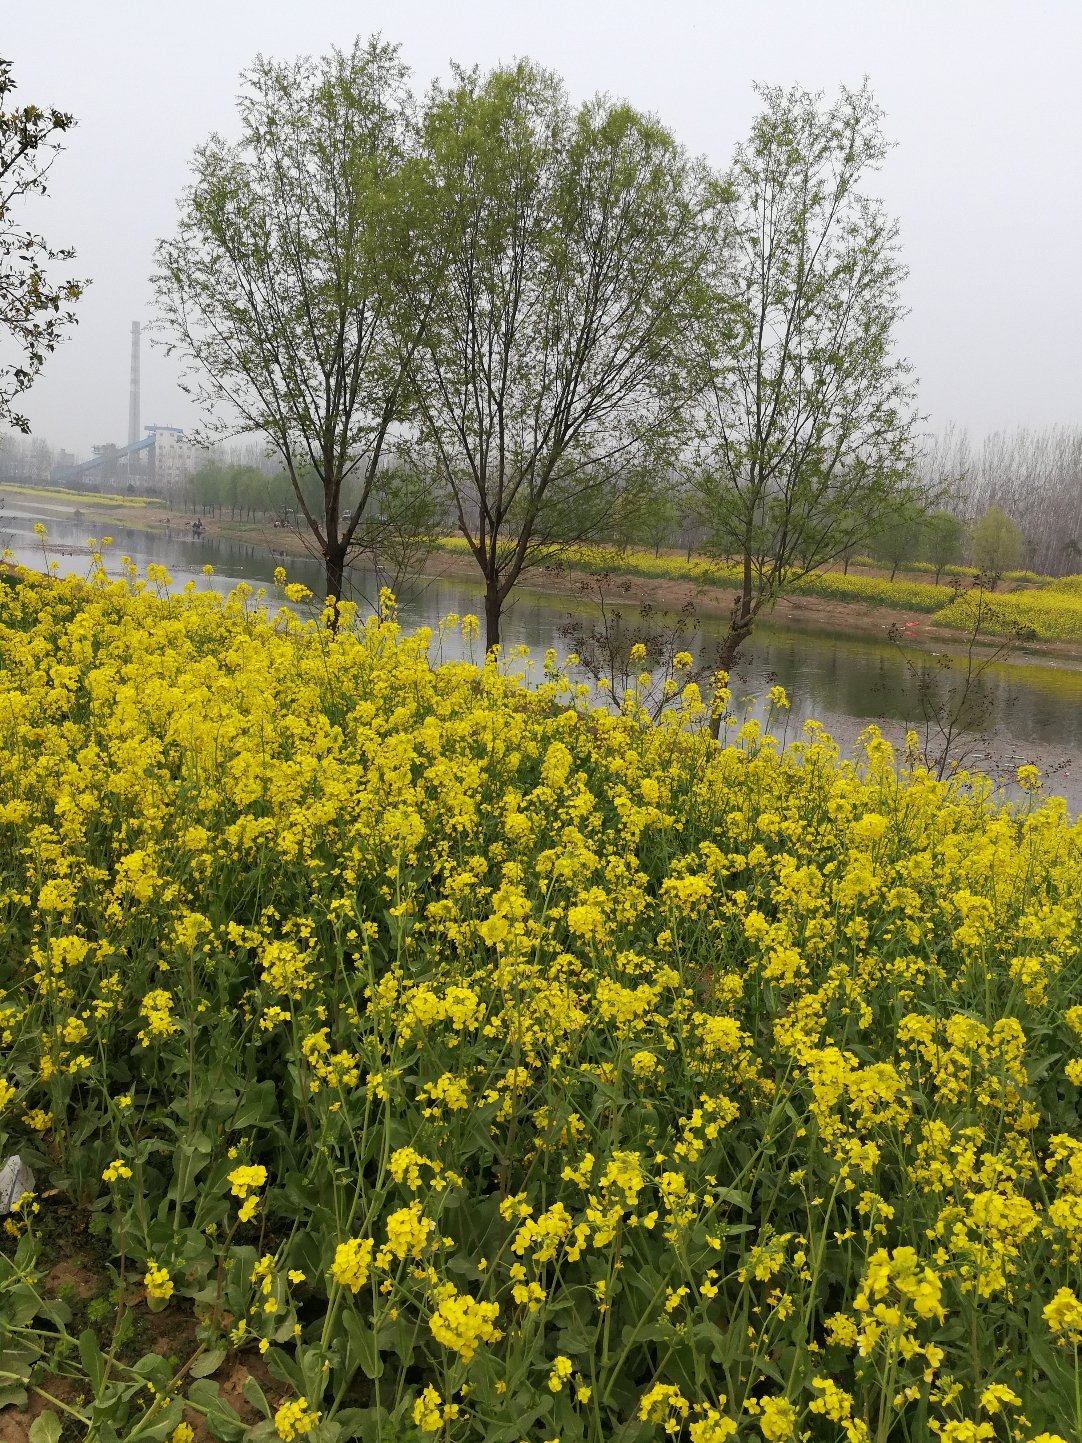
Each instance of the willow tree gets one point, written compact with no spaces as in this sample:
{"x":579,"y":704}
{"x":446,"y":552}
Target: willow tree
{"x":808,"y":415}
{"x":275,"y":287}
{"x":559,"y":265}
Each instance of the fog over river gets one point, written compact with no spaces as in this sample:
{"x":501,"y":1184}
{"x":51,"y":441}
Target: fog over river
{"x":845,"y":682}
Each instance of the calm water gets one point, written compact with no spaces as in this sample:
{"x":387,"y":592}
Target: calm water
{"x":1035,"y":709}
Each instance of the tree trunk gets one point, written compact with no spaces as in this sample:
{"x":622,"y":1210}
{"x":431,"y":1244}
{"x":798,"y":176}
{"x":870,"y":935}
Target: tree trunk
{"x":740,"y":624}
{"x":734,"y":639}
{"x":334,"y":565}
{"x":493,"y":607}
{"x":893,"y":571}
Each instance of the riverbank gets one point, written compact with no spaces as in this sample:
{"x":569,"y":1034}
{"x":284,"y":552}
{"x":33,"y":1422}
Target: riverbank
{"x":799,"y":610}
{"x":93,"y":499}
{"x":711,"y":598}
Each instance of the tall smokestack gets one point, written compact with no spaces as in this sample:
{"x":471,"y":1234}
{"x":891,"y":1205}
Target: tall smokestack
{"x":133,"y":397}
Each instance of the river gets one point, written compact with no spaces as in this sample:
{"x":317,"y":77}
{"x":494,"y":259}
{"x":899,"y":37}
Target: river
{"x":1033,"y":710}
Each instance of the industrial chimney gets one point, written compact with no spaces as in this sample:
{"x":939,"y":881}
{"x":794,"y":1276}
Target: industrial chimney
{"x":133,"y":397}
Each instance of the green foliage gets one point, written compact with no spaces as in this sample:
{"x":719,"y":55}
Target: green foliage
{"x":33,"y":309}
{"x":997,"y":544}
{"x":809,"y":416}
{"x":275,"y":286}
{"x":561,"y":260}
{"x":942,"y":541}
{"x":246,"y":488}
{"x":898,"y":536}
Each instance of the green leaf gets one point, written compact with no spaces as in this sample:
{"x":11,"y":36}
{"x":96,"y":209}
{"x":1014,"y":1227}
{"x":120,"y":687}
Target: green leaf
{"x":741,"y":1200}
{"x":224,"y":1421}
{"x":19,"y":1362}
{"x":45,"y":1428}
{"x":154,"y":1368}
{"x":19,"y":1307}
{"x":92,"y":1360}
{"x":56,"y":1310}
{"x":161,"y":1429}
{"x":208,"y":1363}
{"x":258,"y":1108}
{"x":285,"y":1368}
{"x":361,"y":1349}
{"x":256,"y":1396}
{"x":353,"y":1422}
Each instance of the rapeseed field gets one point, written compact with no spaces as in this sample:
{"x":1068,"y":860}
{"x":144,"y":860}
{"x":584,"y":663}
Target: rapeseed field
{"x":1049,"y":613}
{"x":483,"y":1064}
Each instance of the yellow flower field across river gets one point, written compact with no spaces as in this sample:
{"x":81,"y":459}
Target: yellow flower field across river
{"x":498,"y":1067}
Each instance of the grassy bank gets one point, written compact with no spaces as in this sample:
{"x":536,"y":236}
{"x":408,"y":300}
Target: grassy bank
{"x":907,"y":595}
{"x":91,"y":499}
{"x":1043,"y":608}
{"x":463,"y":1062}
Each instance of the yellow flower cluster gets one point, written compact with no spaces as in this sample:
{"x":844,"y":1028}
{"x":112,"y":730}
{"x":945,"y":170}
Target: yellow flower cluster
{"x":158,"y":1283}
{"x":461,"y":1323}
{"x":294,"y":1419}
{"x":430,"y":1412}
{"x":353,"y":1263}
{"x":243,"y":1180}
{"x":1049,"y":613}
{"x":244,"y":1183}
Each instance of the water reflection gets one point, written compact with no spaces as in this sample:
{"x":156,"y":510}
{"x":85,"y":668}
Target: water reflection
{"x":862,"y":679}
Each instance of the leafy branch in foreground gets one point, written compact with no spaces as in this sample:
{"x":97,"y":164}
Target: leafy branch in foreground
{"x":33,"y":310}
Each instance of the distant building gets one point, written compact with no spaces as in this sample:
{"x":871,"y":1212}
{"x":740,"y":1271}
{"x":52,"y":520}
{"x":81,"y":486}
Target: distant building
{"x":159,"y":463}
{"x":172,"y":458}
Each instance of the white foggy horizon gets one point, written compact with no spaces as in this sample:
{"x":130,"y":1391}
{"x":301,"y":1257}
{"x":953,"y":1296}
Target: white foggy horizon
{"x":982,"y":104}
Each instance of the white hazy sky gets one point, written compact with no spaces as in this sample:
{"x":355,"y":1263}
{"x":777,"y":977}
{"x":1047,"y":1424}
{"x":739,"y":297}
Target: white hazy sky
{"x":983,"y":101}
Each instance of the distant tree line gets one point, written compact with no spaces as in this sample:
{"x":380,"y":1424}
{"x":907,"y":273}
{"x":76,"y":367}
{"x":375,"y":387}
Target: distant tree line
{"x":1010,"y":501}
{"x":938,"y":538}
{"x":26,"y":460}
{"x":1035,"y":477}
{"x":239,"y":490}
